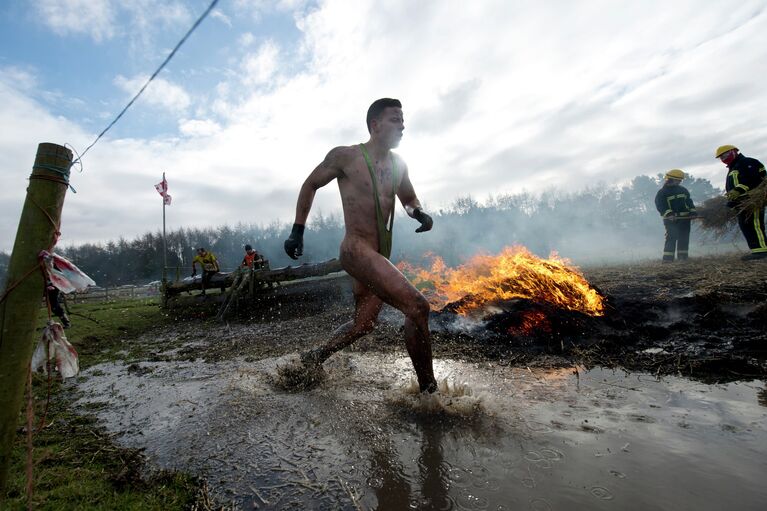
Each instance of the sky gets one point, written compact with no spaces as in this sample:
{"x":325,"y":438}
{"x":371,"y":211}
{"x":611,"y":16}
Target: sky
{"x":498,"y":97}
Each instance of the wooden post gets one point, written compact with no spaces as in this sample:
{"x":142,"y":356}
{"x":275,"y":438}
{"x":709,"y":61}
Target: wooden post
{"x":38,"y":230}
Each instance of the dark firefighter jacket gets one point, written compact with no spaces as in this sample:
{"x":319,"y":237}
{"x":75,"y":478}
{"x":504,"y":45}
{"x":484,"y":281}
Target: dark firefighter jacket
{"x":674,"y":199}
{"x":744,"y":174}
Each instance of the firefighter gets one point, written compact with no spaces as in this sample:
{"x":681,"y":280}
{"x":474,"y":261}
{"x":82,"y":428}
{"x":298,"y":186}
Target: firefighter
{"x":743,"y":175}
{"x":677,"y":209}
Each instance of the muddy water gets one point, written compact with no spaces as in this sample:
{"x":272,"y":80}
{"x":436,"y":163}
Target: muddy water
{"x":497,"y":437}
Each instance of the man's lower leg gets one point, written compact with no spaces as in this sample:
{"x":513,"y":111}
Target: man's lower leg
{"x":343,"y":336}
{"x":418,"y":343}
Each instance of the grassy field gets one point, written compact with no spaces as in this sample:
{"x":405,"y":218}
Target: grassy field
{"x":76,"y":464}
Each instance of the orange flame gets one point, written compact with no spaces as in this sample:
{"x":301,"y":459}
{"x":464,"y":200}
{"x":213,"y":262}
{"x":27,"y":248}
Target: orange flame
{"x":514,"y":273}
{"x":532,"y":321}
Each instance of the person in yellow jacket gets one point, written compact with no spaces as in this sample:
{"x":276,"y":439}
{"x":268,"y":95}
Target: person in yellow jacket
{"x":208,"y":264}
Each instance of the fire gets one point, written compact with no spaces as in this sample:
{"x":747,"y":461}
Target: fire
{"x":514,"y":273}
{"x":531,"y":321}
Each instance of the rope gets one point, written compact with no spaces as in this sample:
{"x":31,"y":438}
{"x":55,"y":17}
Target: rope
{"x":15,"y":284}
{"x":167,"y":59}
{"x":56,"y":232}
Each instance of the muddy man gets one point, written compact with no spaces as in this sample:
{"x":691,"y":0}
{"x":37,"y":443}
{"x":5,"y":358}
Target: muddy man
{"x":369,"y":177}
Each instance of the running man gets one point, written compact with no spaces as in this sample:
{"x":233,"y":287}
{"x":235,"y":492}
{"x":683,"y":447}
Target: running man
{"x":369,"y":176}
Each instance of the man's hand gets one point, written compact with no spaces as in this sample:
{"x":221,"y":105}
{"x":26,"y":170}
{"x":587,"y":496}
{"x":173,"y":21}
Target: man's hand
{"x":194,"y":271}
{"x":732,"y":195}
{"x":426,"y":221}
{"x":294,"y":245}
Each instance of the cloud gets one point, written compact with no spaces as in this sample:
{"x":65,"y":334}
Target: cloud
{"x":160,"y":92}
{"x":223,"y":18}
{"x":198,"y":128}
{"x":260,"y":67}
{"x":94,"y":18}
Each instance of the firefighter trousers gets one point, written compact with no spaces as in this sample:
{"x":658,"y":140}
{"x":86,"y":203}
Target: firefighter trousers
{"x":677,"y":239}
{"x":752,"y":225}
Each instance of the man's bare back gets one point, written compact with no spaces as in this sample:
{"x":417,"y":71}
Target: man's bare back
{"x":368,"y":208}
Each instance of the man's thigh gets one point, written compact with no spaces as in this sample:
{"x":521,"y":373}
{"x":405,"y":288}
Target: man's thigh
{"x":376,"y":274}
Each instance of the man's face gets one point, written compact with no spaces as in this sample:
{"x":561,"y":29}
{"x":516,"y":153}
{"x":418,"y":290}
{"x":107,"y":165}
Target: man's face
{"x":728,"y":156}
{"x":389,"y":126}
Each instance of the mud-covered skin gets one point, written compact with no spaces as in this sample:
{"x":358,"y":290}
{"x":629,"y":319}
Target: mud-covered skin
{"x":704,"y":318}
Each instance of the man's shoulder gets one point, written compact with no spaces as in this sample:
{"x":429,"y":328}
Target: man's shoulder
{"x":339,"y":157}
{"x":345,"y":152}
{"x":749,"y":162}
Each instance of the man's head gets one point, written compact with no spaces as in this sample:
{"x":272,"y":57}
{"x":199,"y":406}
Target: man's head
{"x":201,"y":251}
{"x":248,"y":248}
{"x":726,"y":153}
{"x":674,"y":176}
{"x":385,"y":121}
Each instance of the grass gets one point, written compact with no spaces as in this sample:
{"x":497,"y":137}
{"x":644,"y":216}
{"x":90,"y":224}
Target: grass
{"x":77,"y":465}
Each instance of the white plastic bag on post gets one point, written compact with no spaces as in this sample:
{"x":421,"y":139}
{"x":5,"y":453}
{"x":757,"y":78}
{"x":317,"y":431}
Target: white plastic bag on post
{"x":63,"y":274}
{"x":53,"y":346}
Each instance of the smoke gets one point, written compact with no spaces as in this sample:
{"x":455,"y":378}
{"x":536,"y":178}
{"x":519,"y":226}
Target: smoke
{"x":599,"y":225}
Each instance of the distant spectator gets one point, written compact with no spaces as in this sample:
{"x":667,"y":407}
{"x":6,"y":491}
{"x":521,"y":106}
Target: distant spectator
{"x":209,"y":266}
{"x":252,"y":258}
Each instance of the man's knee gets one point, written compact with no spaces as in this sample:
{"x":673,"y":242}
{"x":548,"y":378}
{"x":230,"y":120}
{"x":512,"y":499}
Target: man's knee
{"x":419,"y":307}
{"x":364,"y":327}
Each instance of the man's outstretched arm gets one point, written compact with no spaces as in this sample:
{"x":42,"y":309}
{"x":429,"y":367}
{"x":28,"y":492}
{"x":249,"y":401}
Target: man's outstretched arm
{"x":325,"y":172}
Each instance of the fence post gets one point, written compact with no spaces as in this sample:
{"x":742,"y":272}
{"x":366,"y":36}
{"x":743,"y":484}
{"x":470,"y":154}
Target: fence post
{"x":38,"y":230}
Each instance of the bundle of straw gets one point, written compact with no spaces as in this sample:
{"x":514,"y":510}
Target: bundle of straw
{"x":755,"y":199}
{"x":716,"y":217}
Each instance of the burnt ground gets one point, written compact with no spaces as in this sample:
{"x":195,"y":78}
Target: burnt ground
{"x":703,"y":319}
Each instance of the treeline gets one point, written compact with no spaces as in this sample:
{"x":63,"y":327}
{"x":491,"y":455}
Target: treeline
{"x":601,"y":223}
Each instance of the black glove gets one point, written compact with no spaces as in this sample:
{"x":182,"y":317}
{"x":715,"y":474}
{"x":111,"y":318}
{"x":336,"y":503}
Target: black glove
{"x":294,"y":245}
{"x":426,"y":221}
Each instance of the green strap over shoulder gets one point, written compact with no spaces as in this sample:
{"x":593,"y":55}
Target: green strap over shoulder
{"x":384,"y":232}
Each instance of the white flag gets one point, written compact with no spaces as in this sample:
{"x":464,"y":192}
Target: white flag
{"x":162,"y":189}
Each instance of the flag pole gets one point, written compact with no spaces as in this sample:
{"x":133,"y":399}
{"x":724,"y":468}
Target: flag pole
{"x":164,"y":245}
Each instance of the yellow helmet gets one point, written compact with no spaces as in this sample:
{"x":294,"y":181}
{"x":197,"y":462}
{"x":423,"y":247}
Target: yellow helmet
{"x":674,"y":174}
{"x":723,"y":149}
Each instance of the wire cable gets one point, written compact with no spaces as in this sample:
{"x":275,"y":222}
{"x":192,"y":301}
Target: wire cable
{"x":167,"y":59}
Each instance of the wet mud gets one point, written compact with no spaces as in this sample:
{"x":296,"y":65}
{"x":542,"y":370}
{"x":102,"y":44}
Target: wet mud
{"x":660,"y":404}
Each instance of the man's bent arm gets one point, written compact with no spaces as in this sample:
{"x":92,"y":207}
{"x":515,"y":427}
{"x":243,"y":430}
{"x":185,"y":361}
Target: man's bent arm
{"x":406,"y":194}
{"x":325,"y":172}
{"x":411,"y":203}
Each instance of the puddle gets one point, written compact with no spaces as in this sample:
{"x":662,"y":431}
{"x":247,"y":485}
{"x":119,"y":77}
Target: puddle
{"x":498,"y":438}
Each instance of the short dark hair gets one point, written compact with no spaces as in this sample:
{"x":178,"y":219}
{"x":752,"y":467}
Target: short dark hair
{"x":378,"y":106}
{"x":248,"y":247}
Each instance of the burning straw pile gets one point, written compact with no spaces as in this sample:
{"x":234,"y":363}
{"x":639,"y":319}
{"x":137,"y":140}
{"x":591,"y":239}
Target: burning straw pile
{"x":718,"y":218}
{"x":514,"y":273}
